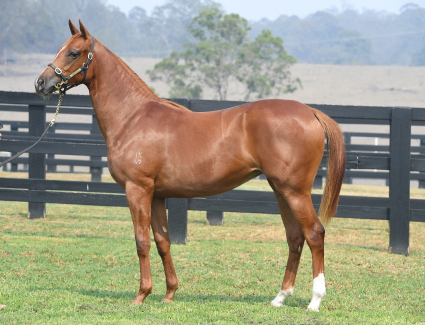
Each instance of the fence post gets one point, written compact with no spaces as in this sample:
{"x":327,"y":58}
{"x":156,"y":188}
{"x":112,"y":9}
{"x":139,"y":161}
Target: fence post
{"x":36,"y":161}
{"x":50,"y":167}
{"x":96,"y":172}
{"x":215,"y":218}
{"x":13,"y":165}
{"x":177,"y":220}
{"x":400,"y":132}
{"x":422,"y":182}
{"x":177,"y":208}
{"x":347,"y":138}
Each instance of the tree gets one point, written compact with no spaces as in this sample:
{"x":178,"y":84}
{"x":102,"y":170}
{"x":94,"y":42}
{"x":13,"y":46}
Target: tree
{"x":18,"y":19}
{"x":165,"y":29}
{"x":265,"y":67}
{"x":176,"y":76}
{"x":222,"y":53}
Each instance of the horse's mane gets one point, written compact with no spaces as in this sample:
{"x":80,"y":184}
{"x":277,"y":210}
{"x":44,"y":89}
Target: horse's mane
{"x":144,"y":86}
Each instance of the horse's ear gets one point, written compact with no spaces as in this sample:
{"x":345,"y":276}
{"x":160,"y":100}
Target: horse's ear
{"x":72,"y":28}
{"x":84,"y":31}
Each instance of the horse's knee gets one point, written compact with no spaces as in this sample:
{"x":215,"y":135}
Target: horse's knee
{"x":295,"y":242}
{"x":143,"y":248}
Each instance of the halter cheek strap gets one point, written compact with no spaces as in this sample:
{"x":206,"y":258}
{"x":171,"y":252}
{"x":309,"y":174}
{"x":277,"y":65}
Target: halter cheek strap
{"x":83,"y":69}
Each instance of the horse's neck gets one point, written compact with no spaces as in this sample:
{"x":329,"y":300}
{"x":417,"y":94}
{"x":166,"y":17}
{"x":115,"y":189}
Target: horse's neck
{"x":116,"y":92}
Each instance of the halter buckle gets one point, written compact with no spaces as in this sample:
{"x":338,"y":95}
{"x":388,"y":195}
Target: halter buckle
{"x":90,"y":56}
{"x":58,"y":71}
{"x":60,"y":84}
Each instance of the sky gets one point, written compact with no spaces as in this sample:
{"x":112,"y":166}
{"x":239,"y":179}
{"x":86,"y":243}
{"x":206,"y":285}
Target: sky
{"x":271,"y":9}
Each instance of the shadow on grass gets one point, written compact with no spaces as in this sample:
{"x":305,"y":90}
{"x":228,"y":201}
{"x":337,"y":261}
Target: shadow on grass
{"x":195,"y":298}
{"x":201,"y":222}
{"x":377,"y":249}
{"x":296,"y":307}
{"x":189,"y":298}
{"x":20,"y":216}
{"x":62,"y":236}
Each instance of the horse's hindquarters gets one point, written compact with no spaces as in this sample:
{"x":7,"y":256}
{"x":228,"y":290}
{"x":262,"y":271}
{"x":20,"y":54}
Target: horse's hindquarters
{"x":286,"y":141}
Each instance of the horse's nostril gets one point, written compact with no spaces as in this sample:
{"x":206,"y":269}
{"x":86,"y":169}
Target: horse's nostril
{"x":40,"y":83}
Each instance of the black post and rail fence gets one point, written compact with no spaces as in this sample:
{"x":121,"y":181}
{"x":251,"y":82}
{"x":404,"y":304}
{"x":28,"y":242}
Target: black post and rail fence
{"x":399,"y":162}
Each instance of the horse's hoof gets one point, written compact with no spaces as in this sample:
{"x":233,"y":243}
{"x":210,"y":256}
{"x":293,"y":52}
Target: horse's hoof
{"x":138,"y":300}
{"x":311,"y":309}
{"x":167,"y":300}
{"x":276,"y":304}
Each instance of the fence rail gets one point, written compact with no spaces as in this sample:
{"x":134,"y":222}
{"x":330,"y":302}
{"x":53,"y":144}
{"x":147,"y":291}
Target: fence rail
{"x":394,"y":161}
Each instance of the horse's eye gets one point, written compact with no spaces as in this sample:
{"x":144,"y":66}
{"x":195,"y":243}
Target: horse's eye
{"x":73,"y":54}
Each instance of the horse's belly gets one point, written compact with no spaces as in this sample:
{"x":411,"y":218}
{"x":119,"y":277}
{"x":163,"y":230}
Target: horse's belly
{"x":196,"y":185}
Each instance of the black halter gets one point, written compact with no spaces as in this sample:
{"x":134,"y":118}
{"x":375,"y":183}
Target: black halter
{"x":83,"y":70}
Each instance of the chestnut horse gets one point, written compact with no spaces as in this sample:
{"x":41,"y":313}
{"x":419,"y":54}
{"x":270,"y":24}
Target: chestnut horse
{"x":158,"y":149}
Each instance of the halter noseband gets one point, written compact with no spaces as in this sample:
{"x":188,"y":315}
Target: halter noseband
{"x":82,"y":69}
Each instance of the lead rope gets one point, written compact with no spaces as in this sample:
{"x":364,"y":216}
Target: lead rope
{"x":42,"y":136}
{"x":57,"y":110}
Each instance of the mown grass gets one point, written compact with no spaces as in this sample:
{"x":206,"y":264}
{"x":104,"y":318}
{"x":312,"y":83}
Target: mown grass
{"x":79,"y":266}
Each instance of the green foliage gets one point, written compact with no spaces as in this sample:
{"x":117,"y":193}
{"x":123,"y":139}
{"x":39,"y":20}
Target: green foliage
{"x":223,"y":53}
{"x":175,"y":74}
{"x":213,"y":59}
{"x":266,"y":66}
{"x":165,"y":30}
{"x":17,"y":21}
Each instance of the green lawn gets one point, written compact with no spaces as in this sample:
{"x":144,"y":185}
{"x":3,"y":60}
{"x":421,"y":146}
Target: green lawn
{"x":79,"y":266}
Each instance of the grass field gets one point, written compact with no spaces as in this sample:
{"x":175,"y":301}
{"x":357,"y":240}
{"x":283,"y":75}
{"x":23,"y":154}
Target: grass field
{"x":79,"y":266}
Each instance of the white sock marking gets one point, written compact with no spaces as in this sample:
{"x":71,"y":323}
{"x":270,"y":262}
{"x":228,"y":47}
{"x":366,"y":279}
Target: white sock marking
{"x":164,"y":229}
{"x":319,"y":292}
{"x":281,"y":297}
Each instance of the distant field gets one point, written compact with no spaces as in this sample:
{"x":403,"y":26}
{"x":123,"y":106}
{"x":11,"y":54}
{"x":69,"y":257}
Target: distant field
{"x":322,"y":83}
{"x":79,"y":266}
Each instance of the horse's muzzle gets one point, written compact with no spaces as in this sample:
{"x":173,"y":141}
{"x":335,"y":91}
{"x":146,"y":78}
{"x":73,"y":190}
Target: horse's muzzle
{"x":45,"y":87}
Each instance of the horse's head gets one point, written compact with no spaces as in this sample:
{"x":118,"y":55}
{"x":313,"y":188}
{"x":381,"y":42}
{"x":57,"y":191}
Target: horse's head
{"x":74,"y":54}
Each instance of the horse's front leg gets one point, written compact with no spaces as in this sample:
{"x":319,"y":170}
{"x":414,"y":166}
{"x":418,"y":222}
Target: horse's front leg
{"x":139,"y":201}
{"x":162,"y":239}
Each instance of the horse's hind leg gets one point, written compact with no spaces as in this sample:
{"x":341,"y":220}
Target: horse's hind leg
{"x":295,"y":239}
{"x":162,"y":239}
{"x":302,"y":208}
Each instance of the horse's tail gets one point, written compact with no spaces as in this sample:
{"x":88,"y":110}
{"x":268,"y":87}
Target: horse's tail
{"x":336,"y":166}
